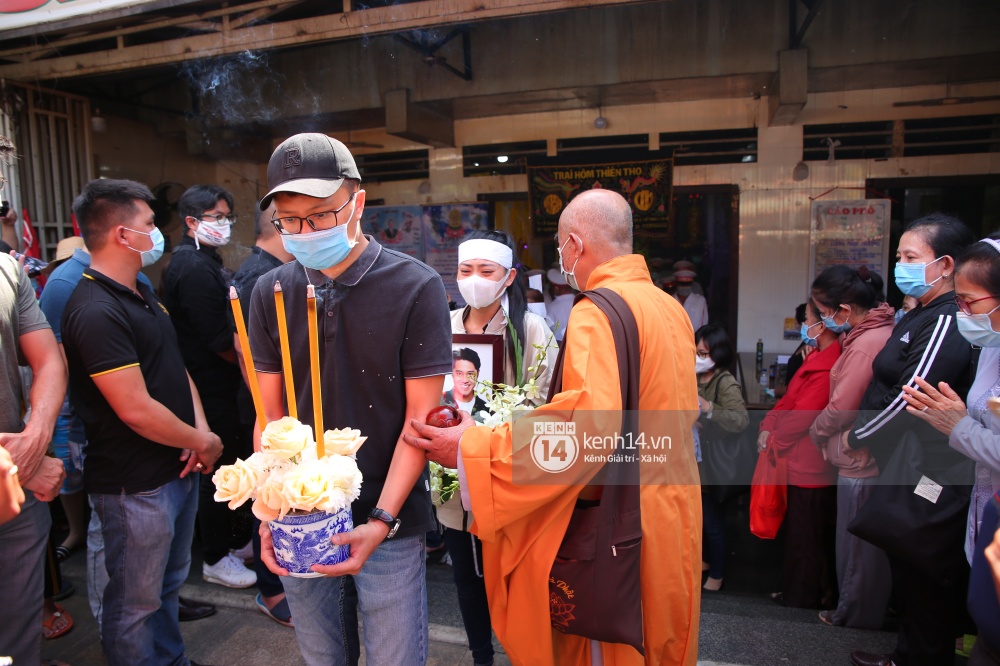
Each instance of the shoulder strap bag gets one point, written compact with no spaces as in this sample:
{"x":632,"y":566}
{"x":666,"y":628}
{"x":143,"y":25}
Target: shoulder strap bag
{"x":594,"y":584}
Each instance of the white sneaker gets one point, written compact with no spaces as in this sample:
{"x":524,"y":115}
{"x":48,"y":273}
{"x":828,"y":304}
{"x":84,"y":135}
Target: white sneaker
{"x":245,"y":553}
{"x":230,"y":572}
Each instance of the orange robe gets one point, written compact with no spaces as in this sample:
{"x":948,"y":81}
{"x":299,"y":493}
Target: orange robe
{"x":522,"y":526}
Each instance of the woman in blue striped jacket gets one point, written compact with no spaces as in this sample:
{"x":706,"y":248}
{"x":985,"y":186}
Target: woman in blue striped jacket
{"x":925,"y":343}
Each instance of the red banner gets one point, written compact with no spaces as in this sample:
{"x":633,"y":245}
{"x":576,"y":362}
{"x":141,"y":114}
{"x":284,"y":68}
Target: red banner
{"x":32,"y":247}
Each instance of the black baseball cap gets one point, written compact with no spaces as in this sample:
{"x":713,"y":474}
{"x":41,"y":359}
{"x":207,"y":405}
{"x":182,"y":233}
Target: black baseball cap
{"x":312,"y":164}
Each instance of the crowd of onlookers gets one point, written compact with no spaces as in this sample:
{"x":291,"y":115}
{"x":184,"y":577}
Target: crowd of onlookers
{"x":889,"y":443}
{"x":887,"y":431}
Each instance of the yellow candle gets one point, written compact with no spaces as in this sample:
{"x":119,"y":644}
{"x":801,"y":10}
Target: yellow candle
{"x":314,"y":370}
{"x":241,"y":332}
{"x":286,"y":355}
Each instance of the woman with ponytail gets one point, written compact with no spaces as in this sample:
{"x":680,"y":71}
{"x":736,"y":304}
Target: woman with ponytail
{"x":850,"y":302}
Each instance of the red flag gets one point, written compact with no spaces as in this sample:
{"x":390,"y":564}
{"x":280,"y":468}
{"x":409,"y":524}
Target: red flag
{"x":76,"y":227}
{"x":32,"y":247}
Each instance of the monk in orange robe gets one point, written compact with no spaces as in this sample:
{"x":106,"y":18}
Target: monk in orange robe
{"x":522,"y":522}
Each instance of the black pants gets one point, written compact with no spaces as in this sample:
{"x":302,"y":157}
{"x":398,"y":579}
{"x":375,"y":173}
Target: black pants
{"x":220,"y":527}
{"x":467,"y":565}
{"x":808,"y":573}
{"x":931,"y":610}
{"x":713,"y":550}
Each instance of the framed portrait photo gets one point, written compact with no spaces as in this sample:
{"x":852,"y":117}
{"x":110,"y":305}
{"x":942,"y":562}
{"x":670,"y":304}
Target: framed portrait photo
{"x":474,"y":358}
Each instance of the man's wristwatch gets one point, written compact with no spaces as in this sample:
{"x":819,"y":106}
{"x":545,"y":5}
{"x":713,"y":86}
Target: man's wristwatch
{"x":385,"y":517}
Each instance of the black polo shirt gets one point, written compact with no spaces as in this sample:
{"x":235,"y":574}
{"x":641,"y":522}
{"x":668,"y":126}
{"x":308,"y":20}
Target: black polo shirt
{"x":196,"y":291}
{"x":384,"y":320}
{"x":108,"y":327}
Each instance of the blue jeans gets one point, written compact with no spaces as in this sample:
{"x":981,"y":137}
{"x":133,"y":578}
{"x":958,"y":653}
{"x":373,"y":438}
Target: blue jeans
{"x":22,"y":562}
{"x":392,"y":595}
{"x":147,"y":552}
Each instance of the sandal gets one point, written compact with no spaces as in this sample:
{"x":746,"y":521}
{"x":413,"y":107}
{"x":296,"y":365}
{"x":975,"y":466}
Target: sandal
{"x":778,"y":598}
{"x":826,"y":617}
{"x":49,"y":630}
{"x":280,"y":613}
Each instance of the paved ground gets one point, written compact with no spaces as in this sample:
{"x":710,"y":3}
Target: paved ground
{"x":739,"y":625}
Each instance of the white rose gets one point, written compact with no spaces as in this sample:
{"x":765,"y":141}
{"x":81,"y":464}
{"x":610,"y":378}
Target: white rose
{"x":235,"y":483}
{"x":342,"y":442}
{"x":307,"y":486}
{"x":271,"y":503}
{"x":285,"y":438}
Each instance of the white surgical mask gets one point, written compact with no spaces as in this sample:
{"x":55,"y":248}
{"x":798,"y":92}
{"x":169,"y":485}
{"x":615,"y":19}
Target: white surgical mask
{"x":214,"y":234}
{"x":538,"y":309}
{"x":703,"y":365}
{"x":480,"y":292}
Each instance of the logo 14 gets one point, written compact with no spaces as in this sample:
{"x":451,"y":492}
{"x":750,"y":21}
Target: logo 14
{"x":554,"y":448}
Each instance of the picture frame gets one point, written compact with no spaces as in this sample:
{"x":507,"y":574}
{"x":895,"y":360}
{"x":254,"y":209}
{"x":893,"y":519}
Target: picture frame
{"x":489,"y":349}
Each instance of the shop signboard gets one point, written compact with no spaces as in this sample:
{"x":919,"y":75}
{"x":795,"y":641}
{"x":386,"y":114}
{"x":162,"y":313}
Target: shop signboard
{"x":22,"y":13}
{"x":647,"y":186}
{"x":852,"y":233}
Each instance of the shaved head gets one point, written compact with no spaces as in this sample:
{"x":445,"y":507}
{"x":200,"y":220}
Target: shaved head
{"x":603,"y":219}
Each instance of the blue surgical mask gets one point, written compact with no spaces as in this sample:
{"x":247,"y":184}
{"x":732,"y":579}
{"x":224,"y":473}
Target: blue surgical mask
{"x":153,"y":254}
{"x":899,"y":315}
{"x":570,"y":278}
{"x":978,"y":329}
{"x":834,"y":327}
{"x":911,"y":278}
{"x":320,"y":250}
{"x":804,"y":334}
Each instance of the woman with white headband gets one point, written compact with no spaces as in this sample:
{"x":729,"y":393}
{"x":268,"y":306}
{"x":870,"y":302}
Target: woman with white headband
{"x":493,"y":292}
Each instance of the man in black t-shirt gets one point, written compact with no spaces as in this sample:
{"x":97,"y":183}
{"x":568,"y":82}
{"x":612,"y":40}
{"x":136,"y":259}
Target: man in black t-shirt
{"x":147,"y":437}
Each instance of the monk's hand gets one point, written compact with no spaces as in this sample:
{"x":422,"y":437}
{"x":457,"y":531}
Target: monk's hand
{"x":941,"y":407}
{"x":267,"y":551}
{"x":363,"y":540}
{"x":440,"y":444}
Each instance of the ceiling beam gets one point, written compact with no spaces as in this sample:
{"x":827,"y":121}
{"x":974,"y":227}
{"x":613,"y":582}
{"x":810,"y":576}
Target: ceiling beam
{"x":417,"y":123}
{"x":789,"y":92}
{"x":365,"y":22}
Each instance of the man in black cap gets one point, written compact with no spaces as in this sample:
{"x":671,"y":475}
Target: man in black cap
{"x":385,"y":346}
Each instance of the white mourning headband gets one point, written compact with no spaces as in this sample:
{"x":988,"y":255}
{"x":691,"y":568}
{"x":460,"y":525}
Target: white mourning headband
{"x":993,"y":243}
{"x":482,"y":248}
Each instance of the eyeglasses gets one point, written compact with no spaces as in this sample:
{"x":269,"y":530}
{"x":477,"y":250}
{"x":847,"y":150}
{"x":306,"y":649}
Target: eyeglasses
{"x":220,"y":219}
{"x":702,"y":354}
{"x":963,"y":304}
{"x":293,"y":225}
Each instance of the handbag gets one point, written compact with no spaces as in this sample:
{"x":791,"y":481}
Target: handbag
{"x":913,"y":517}
{"x":727,"y":459}
{"x":768,"y":494}
{"x":594,"y":584}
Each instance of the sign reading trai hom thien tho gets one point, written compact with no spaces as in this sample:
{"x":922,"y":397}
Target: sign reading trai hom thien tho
{"x":647,"y":186}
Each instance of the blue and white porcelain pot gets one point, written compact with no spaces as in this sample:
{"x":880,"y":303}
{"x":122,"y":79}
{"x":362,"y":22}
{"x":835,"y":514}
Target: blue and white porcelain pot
{"x":303,"y":540}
